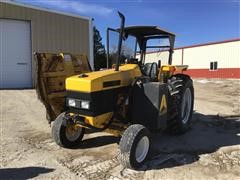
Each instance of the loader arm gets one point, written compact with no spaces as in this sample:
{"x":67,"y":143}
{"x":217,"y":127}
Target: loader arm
{"x":51,"y":72}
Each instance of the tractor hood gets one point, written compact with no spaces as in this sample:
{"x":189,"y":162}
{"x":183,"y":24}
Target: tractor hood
{"x":103,"y":80}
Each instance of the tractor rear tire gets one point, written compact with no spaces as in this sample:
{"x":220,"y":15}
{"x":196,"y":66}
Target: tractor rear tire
{"x":181,"y":101}
{"x":134,"y":146}
{"x":65,"y":135}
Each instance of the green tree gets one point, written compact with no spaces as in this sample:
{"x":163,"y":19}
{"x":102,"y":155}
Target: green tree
{"x":100,"y":60}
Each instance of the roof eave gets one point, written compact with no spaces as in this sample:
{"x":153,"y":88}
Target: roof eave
{"x":46,"y":10}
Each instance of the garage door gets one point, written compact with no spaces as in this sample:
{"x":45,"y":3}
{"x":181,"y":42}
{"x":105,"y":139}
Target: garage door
{"x":15,"y":54}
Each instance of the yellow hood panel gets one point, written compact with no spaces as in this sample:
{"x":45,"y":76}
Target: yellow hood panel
{"x":94,"y":80}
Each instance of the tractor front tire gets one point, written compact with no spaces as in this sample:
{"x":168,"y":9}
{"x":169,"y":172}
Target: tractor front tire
{"x":66,"y":135}
{"x":134,"y":146}
{"x":181,"y":101}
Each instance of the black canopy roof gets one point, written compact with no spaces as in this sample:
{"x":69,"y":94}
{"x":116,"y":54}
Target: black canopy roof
{"x":142,"y":31}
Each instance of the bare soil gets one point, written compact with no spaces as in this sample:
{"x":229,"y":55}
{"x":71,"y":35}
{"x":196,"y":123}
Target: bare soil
{"x":209,"y":150}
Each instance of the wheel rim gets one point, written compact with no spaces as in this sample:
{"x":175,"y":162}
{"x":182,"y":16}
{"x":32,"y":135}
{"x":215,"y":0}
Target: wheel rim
{"x":142,"y":149}
{"x":186,"y":105}
{"x":73,"y":132}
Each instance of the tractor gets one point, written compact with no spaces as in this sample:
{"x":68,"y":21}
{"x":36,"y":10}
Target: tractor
{"x":132,"y":98}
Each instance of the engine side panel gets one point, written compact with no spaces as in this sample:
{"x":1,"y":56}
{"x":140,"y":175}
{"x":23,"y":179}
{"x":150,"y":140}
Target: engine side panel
{"x":149,"y":105}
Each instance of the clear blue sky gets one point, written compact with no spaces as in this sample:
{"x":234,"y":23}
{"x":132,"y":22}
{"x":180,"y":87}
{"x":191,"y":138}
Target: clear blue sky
{"x":193,"y":21}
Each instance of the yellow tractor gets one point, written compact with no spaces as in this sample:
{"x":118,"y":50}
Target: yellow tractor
{"x":131,"y":98}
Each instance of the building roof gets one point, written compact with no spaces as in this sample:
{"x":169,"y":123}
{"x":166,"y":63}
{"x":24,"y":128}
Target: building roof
{"x":45,"y":9}
{"x":209,"y":43}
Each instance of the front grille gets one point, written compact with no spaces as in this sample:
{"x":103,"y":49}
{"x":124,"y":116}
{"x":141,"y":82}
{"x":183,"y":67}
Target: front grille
{"x":100,"y":102}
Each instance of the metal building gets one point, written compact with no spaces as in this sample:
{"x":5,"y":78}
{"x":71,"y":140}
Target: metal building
{"x":210,"y":60}
{"x":26,"y":29}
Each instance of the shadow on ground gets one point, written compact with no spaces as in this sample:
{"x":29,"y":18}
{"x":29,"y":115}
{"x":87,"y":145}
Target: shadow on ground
{"x":23,"y":173}
{"x":97,"y":142}
{"x":207,"y":134}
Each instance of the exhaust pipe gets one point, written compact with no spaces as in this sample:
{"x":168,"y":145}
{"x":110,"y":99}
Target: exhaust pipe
{"x":120,"y":40}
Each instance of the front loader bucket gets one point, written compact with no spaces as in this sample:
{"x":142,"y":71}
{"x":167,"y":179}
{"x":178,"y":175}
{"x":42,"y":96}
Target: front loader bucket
{"x":51,"y":72}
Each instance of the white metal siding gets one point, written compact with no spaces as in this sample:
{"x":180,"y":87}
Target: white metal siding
{"x":163,"y":56}
{"x":15,"y":55}
{"x":154,"y":57}
{"x":226,"y":54}
{"x":177,"y":57}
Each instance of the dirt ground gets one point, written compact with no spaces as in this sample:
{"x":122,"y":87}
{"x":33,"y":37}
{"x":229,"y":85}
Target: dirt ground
{"x":210,"y":150}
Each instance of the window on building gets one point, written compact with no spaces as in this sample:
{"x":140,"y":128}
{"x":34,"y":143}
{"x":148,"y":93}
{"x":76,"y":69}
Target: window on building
{"x":213,"y":65}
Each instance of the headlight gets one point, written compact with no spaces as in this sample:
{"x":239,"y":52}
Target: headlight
{"x":76,"y":103}
{"x":72,"y":102}
{"x":85,"y":104}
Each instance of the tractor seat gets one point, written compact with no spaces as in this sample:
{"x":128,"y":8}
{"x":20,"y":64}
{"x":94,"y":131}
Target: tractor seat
{"x":150,"y":70}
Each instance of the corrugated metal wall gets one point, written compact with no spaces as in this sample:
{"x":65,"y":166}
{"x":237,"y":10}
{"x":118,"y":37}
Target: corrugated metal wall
{"x":154,"y":57}
{"x":226,"y":54}
{"x":163,"y":56}
{"x":198,"y":58}
{"x":51,"y":32}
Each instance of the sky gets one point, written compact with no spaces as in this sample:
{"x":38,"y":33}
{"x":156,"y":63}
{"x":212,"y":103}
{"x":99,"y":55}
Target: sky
{"x":193,"y":21}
